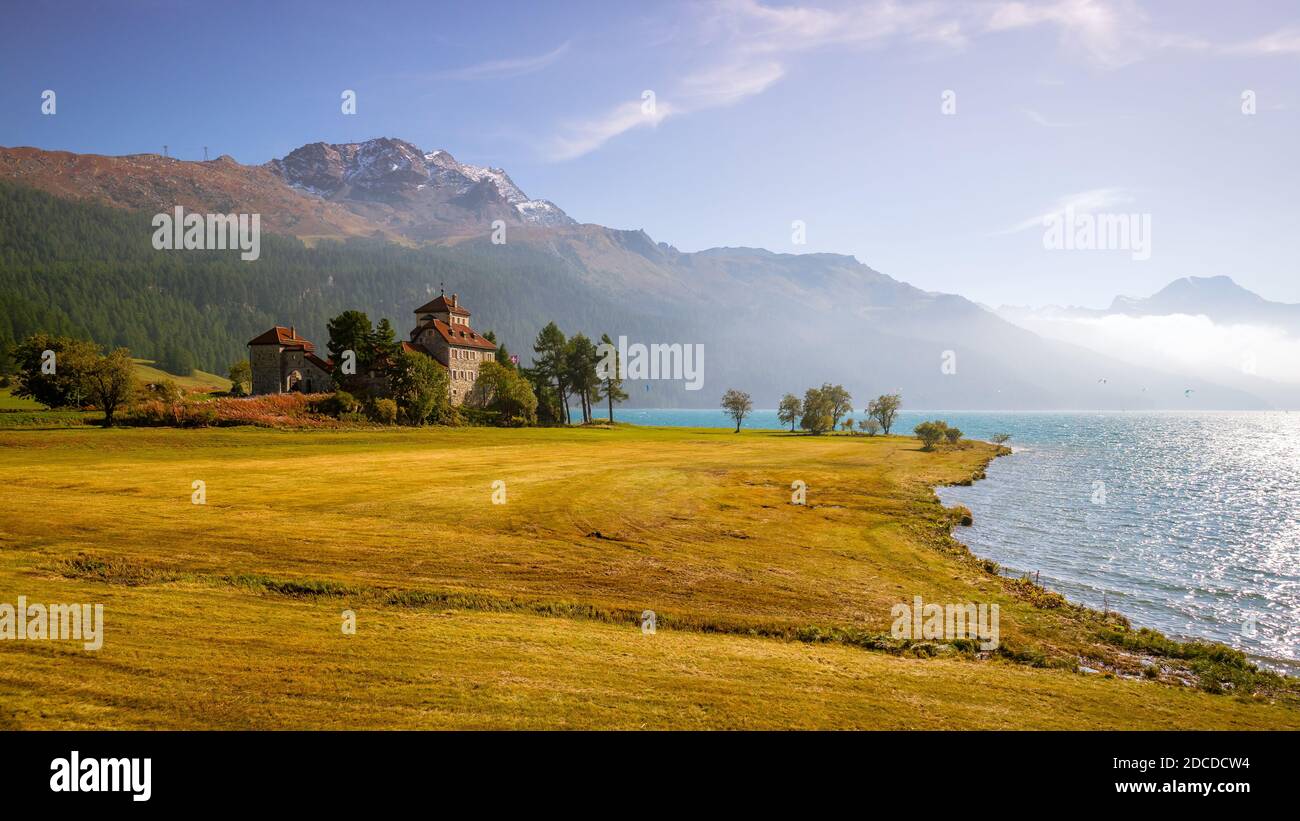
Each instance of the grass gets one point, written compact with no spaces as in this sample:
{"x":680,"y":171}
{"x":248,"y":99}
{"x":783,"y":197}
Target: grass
{"x":20,"y":412}
{"x":526,"y":614}
{"x":196,"y":381}
{"x":9,"y":402}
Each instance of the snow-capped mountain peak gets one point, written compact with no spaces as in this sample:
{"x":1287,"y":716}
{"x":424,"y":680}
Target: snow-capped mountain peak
{"x":387,"y":170}
{"x":542,"y":212}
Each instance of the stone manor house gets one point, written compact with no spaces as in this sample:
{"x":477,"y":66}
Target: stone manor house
{"x":283,"y":362}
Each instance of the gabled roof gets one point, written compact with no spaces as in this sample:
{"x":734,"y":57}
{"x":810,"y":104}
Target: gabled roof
{"x":324,"y":365}
{"x":411,"y":346}
{"x":279,"y":335}
{"x":441,"y":305}
{"x":459,"y":337}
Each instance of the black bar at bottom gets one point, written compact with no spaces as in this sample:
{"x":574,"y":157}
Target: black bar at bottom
{"x":337,"y":769}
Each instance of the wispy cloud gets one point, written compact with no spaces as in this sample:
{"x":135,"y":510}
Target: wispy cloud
{"x":1046,"y":122}
{"x":1115,"y":33}
{"x":496,"y":69}
{"x":711,"y":88}
{"x":754,"y":44}
{"x":1083,"y":202}
{"x":584,"y":136}
{"x":1106,"y":33}
{"x":1285,"y":41}
{"x":725,"y":85}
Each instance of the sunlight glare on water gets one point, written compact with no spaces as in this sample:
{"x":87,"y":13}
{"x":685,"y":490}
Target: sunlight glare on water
{"x":1196,"y":530}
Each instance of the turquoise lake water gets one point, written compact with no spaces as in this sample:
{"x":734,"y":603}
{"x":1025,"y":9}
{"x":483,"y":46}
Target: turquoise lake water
{"x":1185,"y":522}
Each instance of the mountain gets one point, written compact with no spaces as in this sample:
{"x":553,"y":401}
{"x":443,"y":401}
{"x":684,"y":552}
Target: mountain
{"x":1219,"y":298}
{"x":387,"y":222}
{"x":1209,"y":328}
{"x":151,"y":182}
{"x":424,"y":196}
{"x":383,"y":188}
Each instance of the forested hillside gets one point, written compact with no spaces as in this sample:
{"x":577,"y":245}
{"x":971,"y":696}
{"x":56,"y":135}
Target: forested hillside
{"x":91,"y":271}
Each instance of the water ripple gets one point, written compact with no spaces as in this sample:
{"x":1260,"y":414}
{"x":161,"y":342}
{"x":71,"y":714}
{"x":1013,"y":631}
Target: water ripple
{"x":1189,"y":523}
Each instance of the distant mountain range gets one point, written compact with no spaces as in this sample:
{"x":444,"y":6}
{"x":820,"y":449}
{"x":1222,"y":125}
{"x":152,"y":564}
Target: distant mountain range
{"x":770,"y":323}
{"x":1209,"y":327}
{"x":1218,"y":298}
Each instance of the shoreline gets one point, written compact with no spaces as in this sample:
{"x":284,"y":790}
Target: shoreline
{"x":1282,"y":667}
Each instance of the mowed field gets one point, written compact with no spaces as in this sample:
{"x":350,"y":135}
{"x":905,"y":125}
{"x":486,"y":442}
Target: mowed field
{"x":526,"y":614}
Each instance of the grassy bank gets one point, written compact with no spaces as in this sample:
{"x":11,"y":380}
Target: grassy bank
{"x":471,"y":613}
{"x":20,"y":412}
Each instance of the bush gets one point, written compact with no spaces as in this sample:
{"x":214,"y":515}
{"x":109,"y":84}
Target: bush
{"x":337,"y":404}
{"x":157,"y":412}
{"x":272,"y":411}
{"x":384,"y":411}
{"x":952,"y":435}
{"x":241,"y":378}
{"x":931,"y":433}
{"x":165,"y":391}
{"x":481,"y":418}
{"x":150,"y":412}
{"x":502,"y":392}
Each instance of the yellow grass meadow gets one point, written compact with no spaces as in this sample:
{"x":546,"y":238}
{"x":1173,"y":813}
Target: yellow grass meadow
{"x":528,"y":613}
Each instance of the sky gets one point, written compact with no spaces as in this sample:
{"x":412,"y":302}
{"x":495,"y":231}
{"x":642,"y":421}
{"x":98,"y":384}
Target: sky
{"x":928,"y":139}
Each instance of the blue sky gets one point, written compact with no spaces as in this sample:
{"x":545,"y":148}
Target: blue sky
{"x":765,"y":113}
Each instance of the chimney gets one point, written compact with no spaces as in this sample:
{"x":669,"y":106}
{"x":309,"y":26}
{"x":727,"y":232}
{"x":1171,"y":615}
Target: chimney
{"x":455,"y":301}
{"x":293,"y":332}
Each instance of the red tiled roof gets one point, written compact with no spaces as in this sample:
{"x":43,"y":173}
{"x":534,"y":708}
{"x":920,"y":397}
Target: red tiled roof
{"x":441,"y":304}
{"x":280,"y":335}
{"x":459,"y":337}
{"x":411,"y":346}
{"x":318,"y":362}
